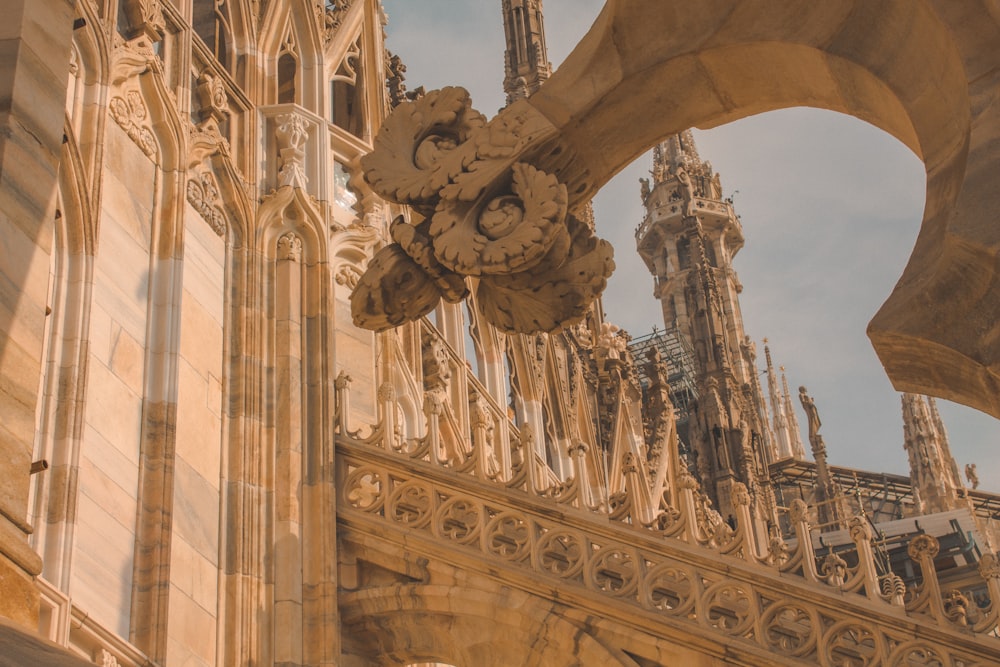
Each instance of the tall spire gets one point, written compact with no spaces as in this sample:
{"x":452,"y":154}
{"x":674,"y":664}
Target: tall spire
{"x":678,"y":151}
{"x":933,"y":471}
{"x":795,"y":437}
{"x":687,"y":240}
{"x":782,"y":442}
{"x":526,"y":61}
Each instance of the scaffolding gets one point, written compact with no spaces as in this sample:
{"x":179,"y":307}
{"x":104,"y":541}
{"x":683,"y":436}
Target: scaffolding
{"x":678,"y":356}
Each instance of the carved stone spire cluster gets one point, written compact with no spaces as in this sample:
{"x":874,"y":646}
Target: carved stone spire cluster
{"x":679,"y":151}
{"x":688,"y":239}
{"x":933,"y":471}
{"x":526,"y":60}
{"x":793,"y":421}
{"x":786,"y":443}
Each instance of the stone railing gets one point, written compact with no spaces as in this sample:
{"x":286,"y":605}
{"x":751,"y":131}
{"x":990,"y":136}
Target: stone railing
{"x":420,"y":486}
{"x":599,"y":565}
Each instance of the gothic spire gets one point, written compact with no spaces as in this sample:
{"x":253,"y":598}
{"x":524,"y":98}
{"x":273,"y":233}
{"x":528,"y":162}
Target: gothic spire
{"x":933,"y":471}
{"x":795,"y":437}
{"x":526,"y":60}
{"x":782,"y":441}
{"x":676,"y":152}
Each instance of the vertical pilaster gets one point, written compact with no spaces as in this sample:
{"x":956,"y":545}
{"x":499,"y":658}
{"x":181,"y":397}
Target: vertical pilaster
{"x":35,"y":42}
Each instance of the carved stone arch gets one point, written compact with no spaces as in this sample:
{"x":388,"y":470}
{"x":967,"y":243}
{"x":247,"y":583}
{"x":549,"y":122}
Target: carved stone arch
{"x":347,"y":57}
{"x":407,"y":394}
{"x":296,"y":21}
{"x":65,"y":360}
{"x":411,"y":623}
{"x":291,"y":210}
{"x":92,"y":48}
{"x":919,"y":83}
{"x":145,"y":108}
{"x":216,"y":188}
{"x":351,"y":249}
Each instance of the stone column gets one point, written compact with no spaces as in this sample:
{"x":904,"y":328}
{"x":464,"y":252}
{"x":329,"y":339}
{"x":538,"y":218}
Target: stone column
{"x":35,"y":42}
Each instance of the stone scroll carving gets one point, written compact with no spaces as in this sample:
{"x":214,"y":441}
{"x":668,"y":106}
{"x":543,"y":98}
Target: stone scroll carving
{"x":483,"y":210}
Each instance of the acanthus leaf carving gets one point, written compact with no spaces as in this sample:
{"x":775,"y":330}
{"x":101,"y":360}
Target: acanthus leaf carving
{"x":492,"y":215}
{"x":212,"y":96}
{"x":129,"y":111}
{"x":203,"y":195}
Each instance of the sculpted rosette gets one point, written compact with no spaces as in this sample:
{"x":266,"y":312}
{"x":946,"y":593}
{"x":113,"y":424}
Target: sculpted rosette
{"x":422,"y":146}
{"x":504,"y":232}
{"x":550,"y":297}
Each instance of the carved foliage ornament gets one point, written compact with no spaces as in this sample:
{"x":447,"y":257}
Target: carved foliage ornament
{"x":203,"y":195}
{"x":485,"y":212}
{"x":130,"y":113}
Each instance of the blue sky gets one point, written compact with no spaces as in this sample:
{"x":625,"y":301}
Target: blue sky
{"x":830,"y":209}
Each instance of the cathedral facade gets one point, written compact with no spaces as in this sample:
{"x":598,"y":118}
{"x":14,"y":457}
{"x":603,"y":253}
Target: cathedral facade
{"x":304,"y":368}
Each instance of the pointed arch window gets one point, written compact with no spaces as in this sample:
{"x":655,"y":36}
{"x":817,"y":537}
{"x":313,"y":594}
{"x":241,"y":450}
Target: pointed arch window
{"x":346,"y":92}
{"x":288,"y":63}
{"x":210,"y":20}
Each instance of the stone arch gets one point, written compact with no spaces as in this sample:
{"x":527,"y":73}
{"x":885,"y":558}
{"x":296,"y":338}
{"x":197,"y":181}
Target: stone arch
{"x":142,"y":104}
{"x":413,"y":623}
{"x":295,"y":21}
{"x":897,"y":64}
{"x":64,"y":372}
{"x":280,"y":452}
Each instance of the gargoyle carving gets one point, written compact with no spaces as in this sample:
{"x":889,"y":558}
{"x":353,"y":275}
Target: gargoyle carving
{"x":486,"y":211}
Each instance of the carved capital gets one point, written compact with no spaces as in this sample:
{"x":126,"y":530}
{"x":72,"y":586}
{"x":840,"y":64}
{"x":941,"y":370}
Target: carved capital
{"x":290,"y":248}
{"x":798,"y":511}
{"x":989,"y":566}
{"x":860,"y":529}
{"x":488,"y":212}
{"x":292,"y":133}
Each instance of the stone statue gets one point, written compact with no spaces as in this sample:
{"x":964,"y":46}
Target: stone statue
{"x":811,"y":412}
{"x":611,"y":342}
{"x":687,"y":192}
{"x":970,"y":474}
{"x":644,"y":185}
